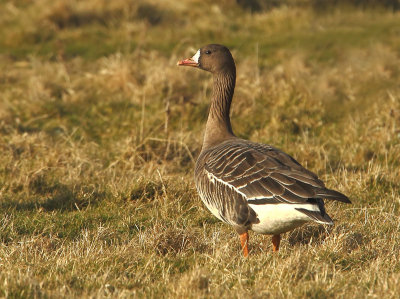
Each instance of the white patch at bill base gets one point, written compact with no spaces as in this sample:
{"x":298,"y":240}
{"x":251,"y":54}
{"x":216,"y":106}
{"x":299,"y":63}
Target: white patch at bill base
{"x":196,"y":56}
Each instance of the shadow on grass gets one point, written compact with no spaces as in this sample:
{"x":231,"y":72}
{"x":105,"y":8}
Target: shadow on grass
{"x":308,"y":234}
{"x":51,"y":196}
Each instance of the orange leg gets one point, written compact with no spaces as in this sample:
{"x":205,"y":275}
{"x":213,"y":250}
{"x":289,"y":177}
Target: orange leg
{"x":276,"y":239}
{"x":244,"y":240}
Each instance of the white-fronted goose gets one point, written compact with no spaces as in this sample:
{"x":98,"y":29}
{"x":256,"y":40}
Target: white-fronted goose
{"x":248,"y":185}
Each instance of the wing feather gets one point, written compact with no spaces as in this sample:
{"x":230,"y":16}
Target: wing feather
{"x":242,"y":172}
{"x":260,"y":171}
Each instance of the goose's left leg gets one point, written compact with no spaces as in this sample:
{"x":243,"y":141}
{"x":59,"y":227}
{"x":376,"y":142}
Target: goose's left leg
{"x":276,"y":240}
{"x":244,"y":240}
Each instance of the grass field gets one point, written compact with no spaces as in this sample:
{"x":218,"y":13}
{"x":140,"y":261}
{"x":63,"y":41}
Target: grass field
{"x":99,"y":131}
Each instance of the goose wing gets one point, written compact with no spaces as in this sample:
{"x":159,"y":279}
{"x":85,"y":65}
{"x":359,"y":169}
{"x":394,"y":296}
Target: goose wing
{"x":265,"y":175}
{"x":233,"y":175}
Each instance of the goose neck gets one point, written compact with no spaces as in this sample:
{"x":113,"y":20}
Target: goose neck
{"x":218,"y":126}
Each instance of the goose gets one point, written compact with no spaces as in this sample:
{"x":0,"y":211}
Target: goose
{"x":251,"y":186}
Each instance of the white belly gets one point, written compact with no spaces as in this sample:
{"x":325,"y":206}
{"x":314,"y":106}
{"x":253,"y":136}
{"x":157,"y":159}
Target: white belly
{"x":280,"y":218}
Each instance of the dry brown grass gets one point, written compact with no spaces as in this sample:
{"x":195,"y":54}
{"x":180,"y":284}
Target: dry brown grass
{"x":99,"y":133}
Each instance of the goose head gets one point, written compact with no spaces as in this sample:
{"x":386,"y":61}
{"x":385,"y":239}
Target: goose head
{"x":213,"y":58}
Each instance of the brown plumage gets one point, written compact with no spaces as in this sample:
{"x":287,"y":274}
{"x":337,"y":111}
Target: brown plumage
{"x":248,"y":185}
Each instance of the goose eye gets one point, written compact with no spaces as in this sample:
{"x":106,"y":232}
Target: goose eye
{"x":208,"y":52}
